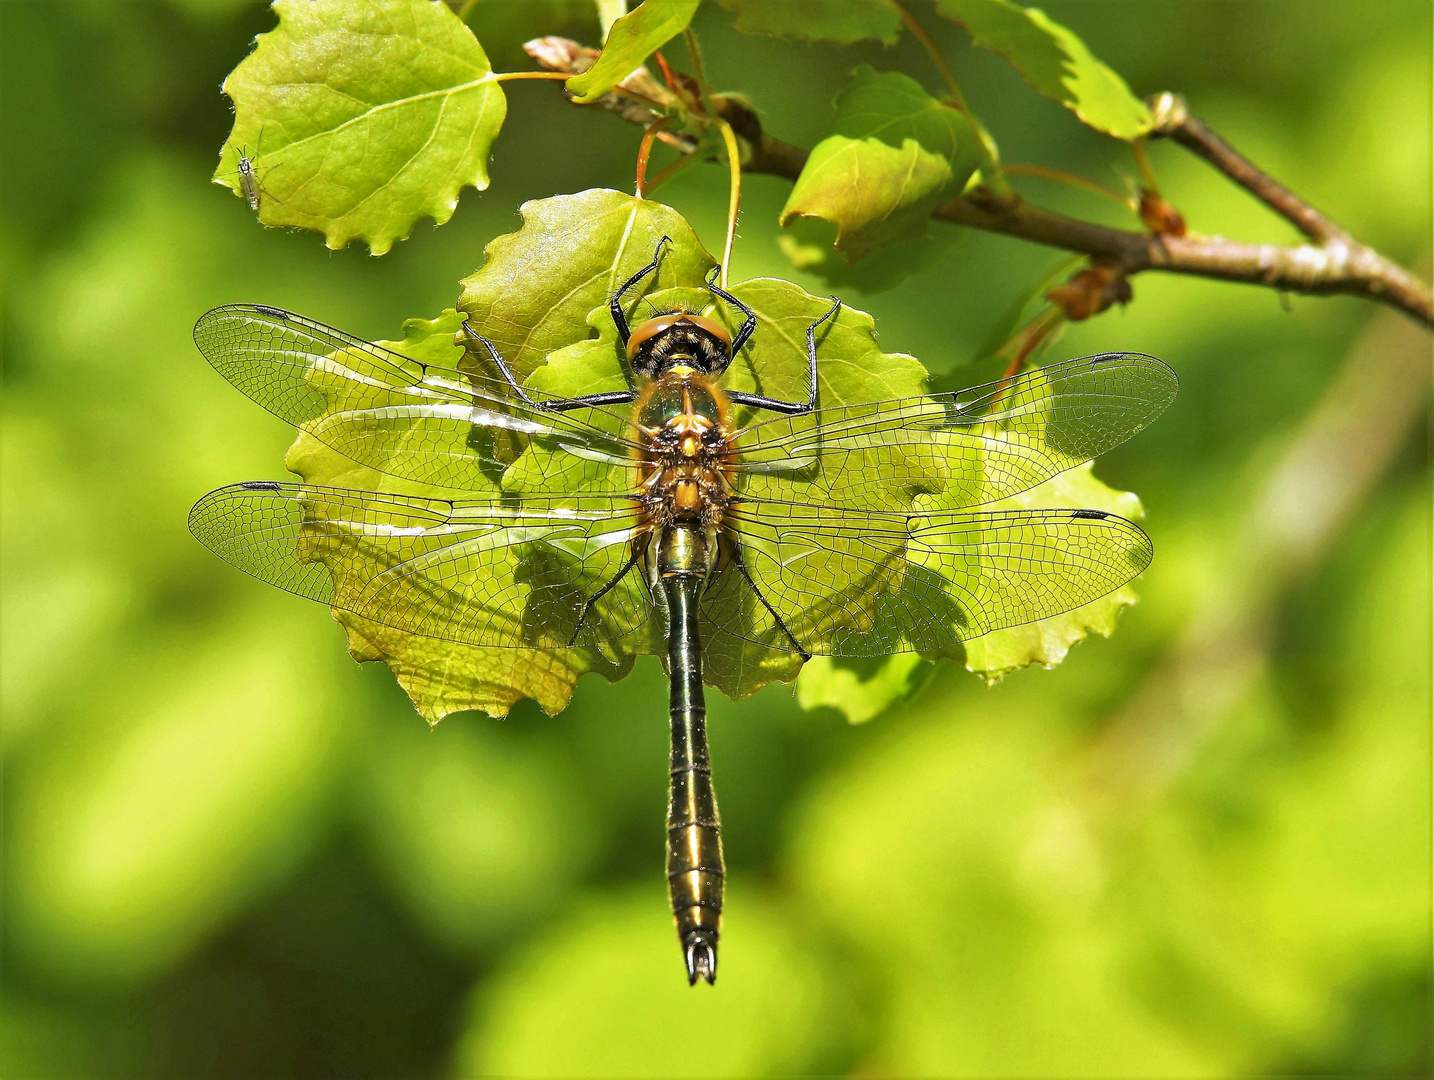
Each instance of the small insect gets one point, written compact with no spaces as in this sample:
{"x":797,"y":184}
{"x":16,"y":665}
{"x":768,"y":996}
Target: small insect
{"x":249,"y":183}
{"x":858,"y":529}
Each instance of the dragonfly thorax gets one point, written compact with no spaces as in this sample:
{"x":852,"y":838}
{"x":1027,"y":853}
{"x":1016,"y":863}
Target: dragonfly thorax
{"x":683,"y":474}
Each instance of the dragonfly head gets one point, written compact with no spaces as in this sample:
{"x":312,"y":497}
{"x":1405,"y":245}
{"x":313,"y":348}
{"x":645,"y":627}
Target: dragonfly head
{"x":679,"y":338}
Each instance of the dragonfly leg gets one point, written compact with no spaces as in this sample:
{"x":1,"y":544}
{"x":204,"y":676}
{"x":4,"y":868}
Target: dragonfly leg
{"x":615,"y":304}
{"x":607,"y":587}
{"x":794,"y":408}
{"x":611,"y":397}
{"x":749,"y":324}
{"x":797,"y":645}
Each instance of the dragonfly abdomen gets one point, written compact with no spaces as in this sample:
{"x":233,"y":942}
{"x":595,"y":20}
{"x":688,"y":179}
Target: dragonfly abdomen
{"x":694,"y":844}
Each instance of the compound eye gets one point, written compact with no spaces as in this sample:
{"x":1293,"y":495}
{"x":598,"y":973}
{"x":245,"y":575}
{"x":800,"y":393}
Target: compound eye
{"x":649,"y":330}
{"x":653,"y":327}
{"x":713,"y":327}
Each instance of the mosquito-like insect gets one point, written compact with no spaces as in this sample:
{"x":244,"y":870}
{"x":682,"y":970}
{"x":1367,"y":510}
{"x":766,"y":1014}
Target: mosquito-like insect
{"x":782,"y":531}
{"x":249,"y":183}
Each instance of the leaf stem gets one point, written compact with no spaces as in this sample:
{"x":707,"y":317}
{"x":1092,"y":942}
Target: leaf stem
{"x":938,"y":61}
{"x":690,"y":39}
{"x":513,"y":76}
{"x":668,"y":173}
{"x":1062,"y":177}
{"x":734,"y":160}
{"x":1142,"y":161}
{"x":1026,"y":339}
{"x":466,"y":9}
{"x":644,"y":151}
{"x":985,"y":145}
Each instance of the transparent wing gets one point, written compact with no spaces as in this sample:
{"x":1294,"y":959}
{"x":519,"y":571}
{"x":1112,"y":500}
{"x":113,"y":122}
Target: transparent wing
{"x":478,"y":572}
{"x":968,"y":448}
{"x":872,"y":584}
{"x":436,"y":425}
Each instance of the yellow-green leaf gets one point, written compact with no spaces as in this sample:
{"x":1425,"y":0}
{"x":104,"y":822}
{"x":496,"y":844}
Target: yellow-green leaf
{"x":359,"y":119}
{"x":1048,"y":641}
{"x":1054,"y":62}
{"x":632,"y":39}
{"x":893,"y":153}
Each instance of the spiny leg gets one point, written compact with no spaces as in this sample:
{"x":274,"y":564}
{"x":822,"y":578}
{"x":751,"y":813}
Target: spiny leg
{"x":794,"y":408}
{"x":749,"y":324}
{"x":595,"y":597}
{"x":797,"y":645}
{"x":611,"y":397}
{"x":615,"y":304}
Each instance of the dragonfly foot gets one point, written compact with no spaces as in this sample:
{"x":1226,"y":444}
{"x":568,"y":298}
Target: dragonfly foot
{"x":701,"y":957}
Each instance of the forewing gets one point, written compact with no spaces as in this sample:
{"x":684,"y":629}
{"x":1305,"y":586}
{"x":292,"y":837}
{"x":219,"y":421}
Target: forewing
{"x":439,"y":426}
{"x":477,"y":572}
{"x":872,"y":584}
{"x":969,"y":448}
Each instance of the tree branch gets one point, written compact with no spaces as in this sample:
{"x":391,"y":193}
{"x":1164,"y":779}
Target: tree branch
{"x":1173,"y":121}
{"x":1334,"y":263}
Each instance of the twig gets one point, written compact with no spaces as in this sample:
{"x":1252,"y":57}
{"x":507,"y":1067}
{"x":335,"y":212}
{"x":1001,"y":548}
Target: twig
{"x":990,"y":161}
{"x":1060,"y":176}
{"x":1339,"y":265}
{"x":1173,"y":121}
{"x":644,"y":152}
{"x":1339,"y":453}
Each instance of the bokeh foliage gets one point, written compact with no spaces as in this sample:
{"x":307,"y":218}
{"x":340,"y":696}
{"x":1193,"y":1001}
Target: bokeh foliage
{"x":231,"y":852}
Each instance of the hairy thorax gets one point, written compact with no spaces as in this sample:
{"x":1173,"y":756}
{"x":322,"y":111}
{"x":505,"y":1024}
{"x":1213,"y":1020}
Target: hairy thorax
{"x":684,"y":473}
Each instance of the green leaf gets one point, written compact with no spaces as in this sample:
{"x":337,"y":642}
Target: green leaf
{"x":861,"y":688}
{"x":840,"y":21}
{"x":362,"y":118}
{"x":533,"y":295}
{"x":894,"y":152}
{"x":632,"y":39}
{"x":442,"y":677}
{"x":1054,"y":62}
{"x":1047,"y":642}
{"x":808,"y":243}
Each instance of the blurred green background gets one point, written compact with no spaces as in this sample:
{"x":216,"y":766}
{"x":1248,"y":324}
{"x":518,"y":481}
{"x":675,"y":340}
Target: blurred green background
{"x":1200,"y":848}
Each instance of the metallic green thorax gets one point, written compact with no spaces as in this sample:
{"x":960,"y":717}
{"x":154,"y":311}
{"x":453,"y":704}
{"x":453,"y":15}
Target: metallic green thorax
{"x":694,"y":846}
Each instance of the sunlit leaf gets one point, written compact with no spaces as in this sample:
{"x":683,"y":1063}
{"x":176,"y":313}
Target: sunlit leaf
{"x":1048,"y":641}
{"x":632,"y":39}
{"x":360,"y":119}
{"x":533,"y":295}
{"x":441,"y":677}
{"x":894,"y":152}
{"x":860,"y":688}
{"x":840,"y":21}
{"x":1054,"y":62}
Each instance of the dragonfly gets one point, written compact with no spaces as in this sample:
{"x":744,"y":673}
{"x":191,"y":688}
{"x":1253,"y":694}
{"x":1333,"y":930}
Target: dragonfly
{"x":676,"y":511}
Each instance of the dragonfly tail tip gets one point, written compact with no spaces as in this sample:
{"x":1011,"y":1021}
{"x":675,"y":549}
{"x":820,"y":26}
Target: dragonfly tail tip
{"x":701,"y":953}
